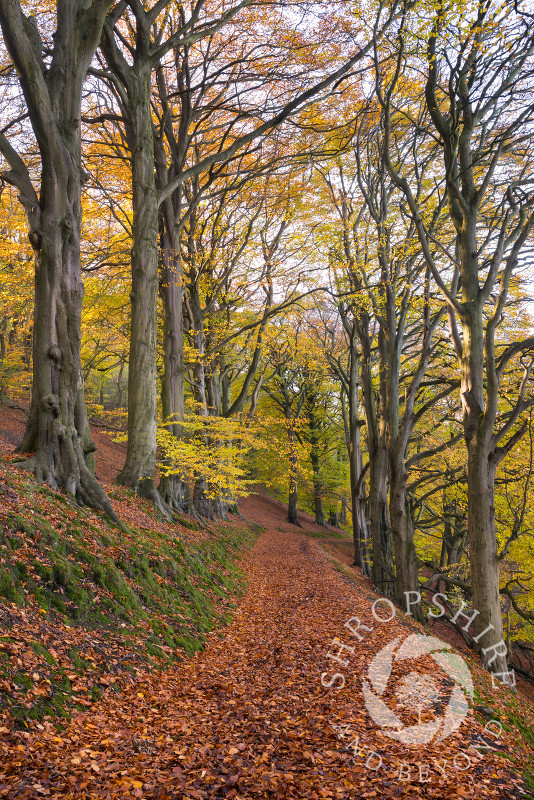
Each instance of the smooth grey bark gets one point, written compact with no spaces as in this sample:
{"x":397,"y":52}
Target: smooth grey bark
{"x":343,"y":512}
{"x":138,"y":470}
{"x":120,"y":385}
{"x":406,"y":564}
{"x":350,"y":380}
{"x":318,"y":509}
{"x":401,"y":421}
{"x":133,"y":86}
{"x":3,"y":330}
{"x":480,"y":376}
{"x":392,"y":323}
{"x":57,"y":429}
{"x":360,"y":534}
{"x":383,"y":571}
{"x":172,"y":488}
{"x":382,"y":566}
{"x":392,"y":301}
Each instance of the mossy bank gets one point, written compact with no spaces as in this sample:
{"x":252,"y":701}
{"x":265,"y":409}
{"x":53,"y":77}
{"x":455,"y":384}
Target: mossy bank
{"x":85,"y":607}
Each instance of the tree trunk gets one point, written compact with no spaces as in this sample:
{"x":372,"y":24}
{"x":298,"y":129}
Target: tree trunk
{"x":120,"y":387}
{"x":343,"y":512}
{"x":213,"y":384}
{"x":407,"y":571}
{"x":360,"y":533}
{"x":3,"y":330}
{"x":480,"y":404}
{"x":172,"y":488}
{"x":200,"y":501}
{"x":138,"y":470}
{"x":57,"y":428}
{"x":453,"y":534}
{"x":333,"y":519}
{"x":198,"y":338}
{"x":139,"y":467}
{"x":292,"y":502}
{"x":318,"y":501}
{"x":204,"y":505}
{"x":226,"y":393}
{"x":383,"y":574}
{"x":483,"y":554}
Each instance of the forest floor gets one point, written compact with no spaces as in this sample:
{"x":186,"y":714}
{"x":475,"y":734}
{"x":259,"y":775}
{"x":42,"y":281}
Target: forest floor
{"x":248,"y":716}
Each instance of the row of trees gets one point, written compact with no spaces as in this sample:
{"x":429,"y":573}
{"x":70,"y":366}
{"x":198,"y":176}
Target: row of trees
{"x":320,"y":219}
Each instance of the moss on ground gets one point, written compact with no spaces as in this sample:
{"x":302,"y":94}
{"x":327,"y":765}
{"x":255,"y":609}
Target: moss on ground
{"x":87,"y":603}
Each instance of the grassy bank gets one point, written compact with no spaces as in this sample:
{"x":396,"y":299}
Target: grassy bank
{"x":85,"y":607}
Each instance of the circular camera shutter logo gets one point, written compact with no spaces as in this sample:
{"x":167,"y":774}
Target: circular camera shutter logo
{"x":417,"y":691}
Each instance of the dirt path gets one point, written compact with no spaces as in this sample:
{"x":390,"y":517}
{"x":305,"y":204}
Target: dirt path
{"x":248,"y":717}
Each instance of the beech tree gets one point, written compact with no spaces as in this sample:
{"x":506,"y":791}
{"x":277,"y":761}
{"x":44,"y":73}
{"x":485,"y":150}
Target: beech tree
{"x":478,"y":97}
{"x":402,"y":308}
{"x":133,"y":83}
{"x":52,"y":81}
{"x":342,"y":351}
{"x":350,"y":245}
{"x":248,"y":122}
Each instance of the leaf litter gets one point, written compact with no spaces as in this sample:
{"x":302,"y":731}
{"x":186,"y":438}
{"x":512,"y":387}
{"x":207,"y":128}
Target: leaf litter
{"x":248,"y":717}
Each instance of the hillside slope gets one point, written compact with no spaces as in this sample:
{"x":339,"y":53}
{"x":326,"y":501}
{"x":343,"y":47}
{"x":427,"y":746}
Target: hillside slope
{"x":105,"y":693}
{"x":84,"y":606}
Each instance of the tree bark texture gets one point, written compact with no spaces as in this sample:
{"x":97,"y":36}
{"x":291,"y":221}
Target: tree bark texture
{"x":172,"y":488}
{"x":57,"y":430}
{"x":360,"y":534}
{"x":138,"y":470}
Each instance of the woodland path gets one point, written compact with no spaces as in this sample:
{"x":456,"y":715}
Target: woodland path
{"x":248,"y":717}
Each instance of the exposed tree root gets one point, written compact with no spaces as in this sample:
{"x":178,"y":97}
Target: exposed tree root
{"x":83,"y":487}
{"x":174,"y":492}
{"x":147,"y":489}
